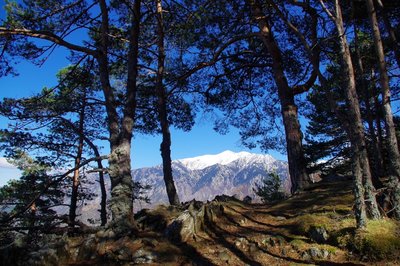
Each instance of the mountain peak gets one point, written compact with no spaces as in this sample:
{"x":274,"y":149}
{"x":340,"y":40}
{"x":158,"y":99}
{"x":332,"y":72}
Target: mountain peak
{"x":223,"y":158}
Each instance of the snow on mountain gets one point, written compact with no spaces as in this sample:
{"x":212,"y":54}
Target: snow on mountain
{"x":224,"y":158}
{"x":202,"y":178}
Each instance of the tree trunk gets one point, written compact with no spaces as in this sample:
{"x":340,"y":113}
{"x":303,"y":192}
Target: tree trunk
{"x":120,"y":130}
{"x":353,"y":122}
{"x":360,"y":212}
{"x":390,"y":30}
{"x":393,"y":150}
{"x":377,"y":157}
{"x":103,"y":203}
{"x":121,"y":203}
{"x":296,"y":160}
{"x":294,"y":147}
{"x":78,"y":158}
{"x":165,"y":146}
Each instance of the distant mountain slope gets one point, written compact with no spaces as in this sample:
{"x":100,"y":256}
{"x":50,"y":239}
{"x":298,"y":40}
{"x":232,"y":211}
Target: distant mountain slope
{"x":204,"y":177}
{"x":201,"y":178}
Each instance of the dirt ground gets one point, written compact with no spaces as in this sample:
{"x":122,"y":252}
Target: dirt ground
{"x":236,"y":233}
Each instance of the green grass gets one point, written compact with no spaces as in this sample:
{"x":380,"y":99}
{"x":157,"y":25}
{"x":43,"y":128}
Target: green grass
{"x":380,"y":240}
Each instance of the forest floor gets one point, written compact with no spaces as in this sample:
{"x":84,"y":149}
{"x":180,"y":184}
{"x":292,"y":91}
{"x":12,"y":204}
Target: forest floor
{"x":314,"y":227}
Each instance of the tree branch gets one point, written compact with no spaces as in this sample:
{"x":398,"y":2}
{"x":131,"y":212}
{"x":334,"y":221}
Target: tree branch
{"x":48,"y":185}
{"x":49,"y":36}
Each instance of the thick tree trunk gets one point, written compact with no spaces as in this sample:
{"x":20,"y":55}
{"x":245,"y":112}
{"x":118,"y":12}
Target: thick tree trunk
{"x":121,"y":203}
{"x":296,"y":160}
{"x":360,"y":213}
{"x":294,"y":147}
{"x":165,"y":146}
{"x":393,"y":150}
{"x":120,"y":130}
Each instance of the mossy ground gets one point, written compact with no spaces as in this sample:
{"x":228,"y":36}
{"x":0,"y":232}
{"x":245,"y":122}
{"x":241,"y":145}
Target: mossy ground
{"x":278,"y":234}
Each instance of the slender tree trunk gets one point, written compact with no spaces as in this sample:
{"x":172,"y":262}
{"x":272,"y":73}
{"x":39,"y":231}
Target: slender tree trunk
{"x":78,"y":158}
{"x":376,"y":154}
{"x":357,"y":135}
{"x":393,"y":150}
{"x":103,"y":203}
{"x":120,"y":130}
{"x":352,"y":123}
{"x":296,"y":160}
{"x":378,"y":122}
{"x":390,"y":30}
{"x":165,"y":146}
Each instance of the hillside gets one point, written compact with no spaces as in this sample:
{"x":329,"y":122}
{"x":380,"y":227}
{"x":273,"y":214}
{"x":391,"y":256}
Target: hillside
{"x":204,"y":177}
{"x":201,"y":178}
{"x":315,"y":227}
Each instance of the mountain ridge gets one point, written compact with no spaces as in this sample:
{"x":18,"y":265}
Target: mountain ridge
{"x":202,"y":178}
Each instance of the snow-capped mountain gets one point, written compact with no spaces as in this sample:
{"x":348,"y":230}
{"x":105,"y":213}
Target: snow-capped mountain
{"x":201,"y":178}
{"x":204,"y":177}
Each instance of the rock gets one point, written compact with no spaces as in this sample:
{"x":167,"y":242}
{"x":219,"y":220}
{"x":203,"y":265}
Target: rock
{"x":143,"y":256}
{"x":20,"y":241}
{"x":224,"y":255}
{"x":306,"y":256}
{"x":315,"y":253}
{"x":280,"y":218}
{"x":325,"y":254}
{"x":265,"y":241}
{"x":242,"y":243}
{"x":124,"y":254}
{"x":318,"y":234}
{"x":253,"y":248}
{"x":277,"y":241}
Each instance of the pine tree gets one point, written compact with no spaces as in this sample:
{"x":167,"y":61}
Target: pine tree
{"x":270,"y":189}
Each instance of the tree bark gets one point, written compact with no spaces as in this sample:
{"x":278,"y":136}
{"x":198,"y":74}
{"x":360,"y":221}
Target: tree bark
{"x":360,"y":213}
{"x":121,"y":202}
{"x":393,"y":150}
{"x":376,"y":157}
{"x":352,"y":123}
{"x":165,"y":146}
{"x":296,"y":160}
{"x":78,"y":158}
{"x":390,"y":30}
{"x":357,"y":136}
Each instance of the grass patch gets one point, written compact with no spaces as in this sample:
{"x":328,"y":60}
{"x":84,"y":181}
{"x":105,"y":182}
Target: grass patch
{"x":380,"y":240}
{"x":305,"y":222}
{"x":299,"y":244}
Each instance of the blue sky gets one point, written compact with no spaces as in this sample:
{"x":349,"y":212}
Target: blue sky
{"x":201,"y":140}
